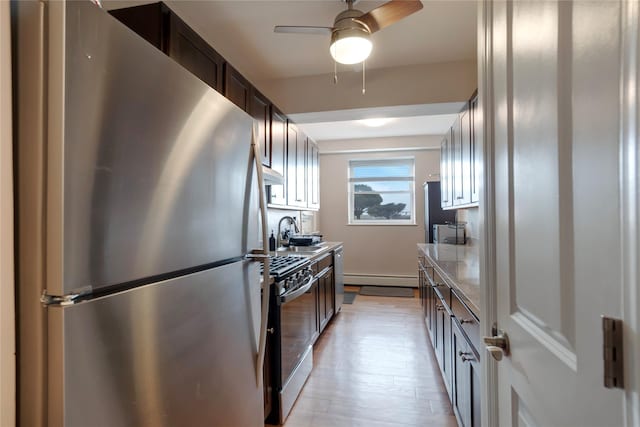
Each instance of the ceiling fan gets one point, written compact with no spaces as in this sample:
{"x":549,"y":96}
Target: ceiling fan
{"x":352,"y":28}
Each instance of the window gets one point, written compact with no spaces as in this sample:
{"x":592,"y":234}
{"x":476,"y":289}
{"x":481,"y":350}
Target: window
{"x":381,"y":192}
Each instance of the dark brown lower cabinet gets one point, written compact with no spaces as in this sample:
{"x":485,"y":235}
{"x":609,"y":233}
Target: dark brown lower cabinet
{"x":315,"y":290}
{"x":325,"y":297}
{"x":443,"y":334}
{"x":457,"y":357}
{"x":466,"y":379}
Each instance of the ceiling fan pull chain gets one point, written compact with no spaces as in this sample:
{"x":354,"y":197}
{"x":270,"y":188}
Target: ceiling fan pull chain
{"x":363,"y":87}
{"x":335,"y":73}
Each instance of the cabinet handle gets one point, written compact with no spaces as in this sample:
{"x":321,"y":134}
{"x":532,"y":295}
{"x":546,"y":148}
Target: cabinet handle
{"x":463,"y":321}
{"x":467,"y":359}
{"x":464,"y":353}
{"x":459,"y":197}
{"x":439,"y":307}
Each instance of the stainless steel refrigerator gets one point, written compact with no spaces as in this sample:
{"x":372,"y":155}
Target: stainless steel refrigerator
{"x":433,"y":212}
{"x":137,"y":203}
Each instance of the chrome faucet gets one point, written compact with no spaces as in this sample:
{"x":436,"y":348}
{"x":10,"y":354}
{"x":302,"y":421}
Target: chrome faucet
{"x":292,"y":221}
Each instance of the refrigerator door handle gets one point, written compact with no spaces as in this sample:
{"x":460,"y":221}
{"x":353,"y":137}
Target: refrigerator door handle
{"x":256,"y":154}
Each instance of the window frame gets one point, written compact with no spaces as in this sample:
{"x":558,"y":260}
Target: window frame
{"x":351,"y":182}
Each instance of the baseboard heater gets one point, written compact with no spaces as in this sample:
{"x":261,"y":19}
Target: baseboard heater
{"x":380,"y":280}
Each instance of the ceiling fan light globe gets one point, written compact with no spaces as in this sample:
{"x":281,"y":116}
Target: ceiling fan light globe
{"x":351,"y":49}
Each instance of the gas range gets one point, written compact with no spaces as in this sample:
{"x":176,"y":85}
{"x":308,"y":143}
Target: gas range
{"x":289,"y":272}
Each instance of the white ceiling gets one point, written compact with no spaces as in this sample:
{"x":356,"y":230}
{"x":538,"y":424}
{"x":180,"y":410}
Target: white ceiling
{"x":242,"y":31}
{"x":378,"y":128}
{"x":407,"y":120}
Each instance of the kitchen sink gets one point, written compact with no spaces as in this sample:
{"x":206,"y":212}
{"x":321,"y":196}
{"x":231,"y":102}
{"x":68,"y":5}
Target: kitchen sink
{"x":300,"y":249}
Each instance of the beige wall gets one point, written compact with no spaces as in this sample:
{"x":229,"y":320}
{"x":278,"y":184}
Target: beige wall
{"x":383,"y":255}
{"x":410,"y":85}
{"x":7,"y":331}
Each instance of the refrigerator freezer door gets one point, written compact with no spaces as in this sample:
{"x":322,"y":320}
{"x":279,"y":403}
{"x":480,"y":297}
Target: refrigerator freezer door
{"x":148,"y":167}
{"x":173,"y":353}
{"x":433,"y":212}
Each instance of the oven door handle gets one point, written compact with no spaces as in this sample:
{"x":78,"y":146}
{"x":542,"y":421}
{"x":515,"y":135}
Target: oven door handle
{"x":295,"y":294}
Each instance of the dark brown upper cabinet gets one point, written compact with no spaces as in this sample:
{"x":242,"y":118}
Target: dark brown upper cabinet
{"x":157,"y":24}
{"x":476,"y":147}
{"x":313,"y":175}
{"x":460,"y":158}
{"x":237,"y":89}
{"x":259,"y":108}
{"x":296,"y":167}
{"x":278,"y":129}
{"x":297,"y":160}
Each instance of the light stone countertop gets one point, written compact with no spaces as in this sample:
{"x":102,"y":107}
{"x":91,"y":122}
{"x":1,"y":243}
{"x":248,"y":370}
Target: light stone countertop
{"x":459,"y":266}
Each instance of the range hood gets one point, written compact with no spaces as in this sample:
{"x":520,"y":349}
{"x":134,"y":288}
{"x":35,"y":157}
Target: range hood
{"x":272,"y":177}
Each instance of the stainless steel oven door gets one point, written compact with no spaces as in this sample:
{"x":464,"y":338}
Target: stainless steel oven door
{"x":297,"y":326}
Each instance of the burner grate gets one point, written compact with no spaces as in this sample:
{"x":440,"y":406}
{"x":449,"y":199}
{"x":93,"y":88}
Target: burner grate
{"x":282,"y":265}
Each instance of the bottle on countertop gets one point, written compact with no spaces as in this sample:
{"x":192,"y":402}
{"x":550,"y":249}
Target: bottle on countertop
{"x":272,"y":242}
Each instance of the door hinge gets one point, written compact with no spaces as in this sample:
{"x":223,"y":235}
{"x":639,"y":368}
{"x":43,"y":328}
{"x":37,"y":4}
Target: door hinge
{"x":612,"y":351}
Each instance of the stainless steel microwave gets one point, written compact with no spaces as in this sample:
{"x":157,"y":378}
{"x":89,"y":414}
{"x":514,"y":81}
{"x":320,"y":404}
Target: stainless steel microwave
{"x":449,"y":233}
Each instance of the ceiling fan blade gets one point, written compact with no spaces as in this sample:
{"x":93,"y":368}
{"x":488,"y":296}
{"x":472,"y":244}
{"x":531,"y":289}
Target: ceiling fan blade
{"x":297,"y":29}
{"x":389,"y":13}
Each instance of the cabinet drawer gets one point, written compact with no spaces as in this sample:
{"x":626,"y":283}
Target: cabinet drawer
{"x":469,"y":323}
{"x":324,"y":262}
{"x":443,"y":297}
{"x":428,"y":274}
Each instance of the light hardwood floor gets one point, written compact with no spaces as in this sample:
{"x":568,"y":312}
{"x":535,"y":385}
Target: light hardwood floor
{"x":373,"y":367}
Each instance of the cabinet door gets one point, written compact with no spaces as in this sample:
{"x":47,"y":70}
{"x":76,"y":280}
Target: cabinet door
{"x":462,"y":159}
{"x":474,"y":391}
{"x":438,"y":341}
{"x":322,"y":303}
{"x":315,"y":290}
{"x":148,"y":21}
{"x":446,"y":181}
{"x":460,"y":383}
{"x":296,"y":173}
{"x":421,"y":286}
{"x":447,"y":354}
{"x":157,"y":24}
{"x":476,"y":147}
{"x":466,"y":170}
{"x":313,"y":175}
{"x":430,"y":310}
{"x":260,"y":111}
{"x":330,"y":278}
{"x":188,"y":49}
{"x":277,"y":193}
{"x":237,"y":89}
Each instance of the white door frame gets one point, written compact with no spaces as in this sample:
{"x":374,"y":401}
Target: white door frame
{"x":7,"y":306}
{"x":629,"y":208}
{"x":488,"y":307}
{"x":630,"y":205}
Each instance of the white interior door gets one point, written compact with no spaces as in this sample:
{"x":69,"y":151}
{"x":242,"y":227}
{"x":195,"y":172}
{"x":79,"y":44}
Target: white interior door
{"x":556,"y":94}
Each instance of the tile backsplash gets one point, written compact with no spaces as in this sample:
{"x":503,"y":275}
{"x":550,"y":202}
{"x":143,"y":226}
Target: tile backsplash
{"x":471,"y":217}
{"x":307,"y":220}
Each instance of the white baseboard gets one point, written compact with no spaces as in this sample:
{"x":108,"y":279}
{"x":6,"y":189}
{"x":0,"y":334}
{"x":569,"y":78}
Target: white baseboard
{"x":381,"y":280}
